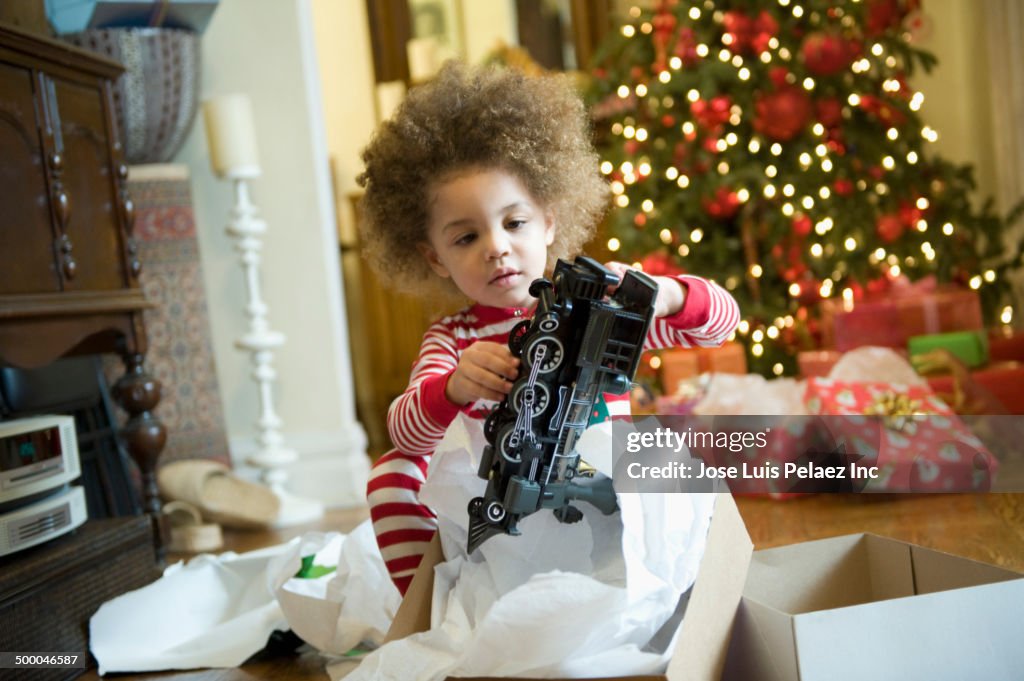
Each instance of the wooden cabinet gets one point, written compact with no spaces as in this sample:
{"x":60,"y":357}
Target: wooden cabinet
{"x":68,"y":262}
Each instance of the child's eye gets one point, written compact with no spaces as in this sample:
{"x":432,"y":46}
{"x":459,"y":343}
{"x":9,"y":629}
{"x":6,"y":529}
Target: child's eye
{"x":465,"y":239}
{"x":514,"y":224}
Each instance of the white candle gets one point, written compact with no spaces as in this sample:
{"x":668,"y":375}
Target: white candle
{"x":231,"y":136}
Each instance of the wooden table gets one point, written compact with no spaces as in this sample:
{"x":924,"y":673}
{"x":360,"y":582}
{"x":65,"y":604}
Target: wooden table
{"x":986,"y":527}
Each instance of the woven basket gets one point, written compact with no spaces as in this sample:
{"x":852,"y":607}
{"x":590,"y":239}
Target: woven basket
{"x":157,"y":97}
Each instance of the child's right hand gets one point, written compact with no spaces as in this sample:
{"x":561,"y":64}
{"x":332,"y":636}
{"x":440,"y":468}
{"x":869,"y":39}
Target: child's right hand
{"x":485,"y":371}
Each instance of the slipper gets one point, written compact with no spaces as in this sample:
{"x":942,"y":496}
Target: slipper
{"x":188,"y":532}
{"x":220,"y":495}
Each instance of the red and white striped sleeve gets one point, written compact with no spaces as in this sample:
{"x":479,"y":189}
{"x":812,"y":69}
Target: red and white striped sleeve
{"x":708,"y":317}
{"x":418,"y":418}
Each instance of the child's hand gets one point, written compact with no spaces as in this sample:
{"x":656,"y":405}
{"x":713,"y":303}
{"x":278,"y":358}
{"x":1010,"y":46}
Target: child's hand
{"x":486,"y":370}
{"x":671,"y":293}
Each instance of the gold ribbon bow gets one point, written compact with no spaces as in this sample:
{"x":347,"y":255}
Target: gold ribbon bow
{"x":897,"y":410}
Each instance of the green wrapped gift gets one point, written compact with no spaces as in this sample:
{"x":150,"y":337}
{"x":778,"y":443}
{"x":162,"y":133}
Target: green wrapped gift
{"x":970,"y":347}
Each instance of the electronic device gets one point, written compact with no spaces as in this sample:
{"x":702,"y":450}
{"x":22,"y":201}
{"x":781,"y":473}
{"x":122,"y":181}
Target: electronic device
{"x":38,"y":461}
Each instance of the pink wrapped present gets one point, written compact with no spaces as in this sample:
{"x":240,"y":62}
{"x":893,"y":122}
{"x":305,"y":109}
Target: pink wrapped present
{"x":913,"y":438}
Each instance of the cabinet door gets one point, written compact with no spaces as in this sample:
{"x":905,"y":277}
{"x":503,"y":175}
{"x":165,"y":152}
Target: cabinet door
{"x":94,"y":222}
{"x":27,"y":258}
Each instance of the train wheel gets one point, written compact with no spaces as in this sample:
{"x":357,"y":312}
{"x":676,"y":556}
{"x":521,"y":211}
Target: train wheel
{"x":506,"y":450}
{"x":494,"y":512}
{"x":541,"y":397}
{"x":555,"y":353}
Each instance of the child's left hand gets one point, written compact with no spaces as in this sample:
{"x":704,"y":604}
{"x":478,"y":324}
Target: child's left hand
{"x":671,"y":293}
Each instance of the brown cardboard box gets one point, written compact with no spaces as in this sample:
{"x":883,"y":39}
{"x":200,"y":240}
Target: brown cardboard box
{"x":868,"y":607}
{"x":702,"y":644}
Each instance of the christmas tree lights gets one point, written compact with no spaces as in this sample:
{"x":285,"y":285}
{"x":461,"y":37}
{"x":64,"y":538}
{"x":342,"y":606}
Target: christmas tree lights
{"x":777,"y":148}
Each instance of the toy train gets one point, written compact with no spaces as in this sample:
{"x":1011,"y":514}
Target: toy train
{"x":580,"y":344}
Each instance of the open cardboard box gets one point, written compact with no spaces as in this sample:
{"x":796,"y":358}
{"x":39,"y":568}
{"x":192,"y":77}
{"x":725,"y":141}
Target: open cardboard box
{"x":868,"y":607}
{"x":702,"y":645}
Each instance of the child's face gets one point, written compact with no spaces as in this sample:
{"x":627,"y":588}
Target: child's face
{"x":489,"y":235}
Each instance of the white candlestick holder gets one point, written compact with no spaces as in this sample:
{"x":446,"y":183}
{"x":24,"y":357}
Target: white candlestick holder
{"x":271,"y":456}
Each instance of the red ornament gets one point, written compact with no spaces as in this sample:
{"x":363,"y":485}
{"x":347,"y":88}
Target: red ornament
{"x":782,"y":115}
{"x":889,"y":227}
{"x":778,"y":75}
{"x":660,"y":264}
{"x":723,"y":205}
{"x":668,"y":120}
{"x":882,"y":15}
{"x":631,"y":147}
{"x":664,"y":23}
{"x":713,"y":114}
{"x":884,"y":111}
{"x":802,"y":225}
{"x":640,"y":219}
{"x":766,"y":28}
{"x":829,"y":111}
{"x":826,"y":54}
{"x":740,"y":30}
{"x":747,"y":34}
{"x":686,"y":46}
{"x":843,"y":187}
{"x":909,"y":213}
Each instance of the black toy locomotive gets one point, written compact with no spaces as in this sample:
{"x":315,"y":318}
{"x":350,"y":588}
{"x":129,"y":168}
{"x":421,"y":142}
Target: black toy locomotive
{"x":579,"y":344}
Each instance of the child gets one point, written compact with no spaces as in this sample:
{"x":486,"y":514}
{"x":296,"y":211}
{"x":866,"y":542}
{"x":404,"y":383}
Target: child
{"x":477,"y":185}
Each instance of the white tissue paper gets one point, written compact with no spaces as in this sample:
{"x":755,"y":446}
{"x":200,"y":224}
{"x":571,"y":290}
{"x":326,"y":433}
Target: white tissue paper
{"x":751,"y":395}
{"x":586,"y":599}
{"x":217,"y":611}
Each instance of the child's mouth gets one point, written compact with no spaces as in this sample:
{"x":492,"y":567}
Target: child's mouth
{"x":505,"y":279}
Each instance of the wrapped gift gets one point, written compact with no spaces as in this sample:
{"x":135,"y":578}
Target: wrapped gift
{"x":915,"y":440}
{"x":679,"y":364}
{"x":998,"y":383}
{"x":970,"y":347}
{"x":1006,"y":344}
{"x":813,"y":363}
{"x":892,"y":320}
{"x":72,"y":16}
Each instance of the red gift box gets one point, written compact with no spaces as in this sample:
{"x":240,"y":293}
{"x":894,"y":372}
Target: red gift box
{"x":905,"y":312}
{"x":912,"y":436}
{"x":1006,"y":345}
{"x":1001,"y":382}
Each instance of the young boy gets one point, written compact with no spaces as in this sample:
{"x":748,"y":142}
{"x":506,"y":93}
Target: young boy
{"x":477,"y":185}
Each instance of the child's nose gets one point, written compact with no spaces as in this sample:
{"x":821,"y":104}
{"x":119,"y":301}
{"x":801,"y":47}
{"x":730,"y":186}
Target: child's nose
{"x":498,"y":245}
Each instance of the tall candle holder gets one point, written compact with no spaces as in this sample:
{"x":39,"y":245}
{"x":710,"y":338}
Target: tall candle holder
{"x":232,"y":139}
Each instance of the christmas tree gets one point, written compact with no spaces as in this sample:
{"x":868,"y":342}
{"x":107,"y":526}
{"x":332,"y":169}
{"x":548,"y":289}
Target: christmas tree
{"x":777,"y":148}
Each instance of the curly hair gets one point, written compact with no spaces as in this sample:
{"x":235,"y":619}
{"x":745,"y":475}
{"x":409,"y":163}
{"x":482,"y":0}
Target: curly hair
{"x":535,"y":128}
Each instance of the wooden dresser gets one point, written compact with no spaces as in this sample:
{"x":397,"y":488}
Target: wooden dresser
{"x":68,"y":261}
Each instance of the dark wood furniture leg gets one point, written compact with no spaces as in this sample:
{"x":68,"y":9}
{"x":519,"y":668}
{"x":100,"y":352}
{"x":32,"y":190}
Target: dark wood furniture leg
{"x":144,"y":435}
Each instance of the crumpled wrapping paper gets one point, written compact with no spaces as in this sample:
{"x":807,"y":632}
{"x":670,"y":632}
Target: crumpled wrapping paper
{"x":217,"y":611}
{"x":559,"y":600}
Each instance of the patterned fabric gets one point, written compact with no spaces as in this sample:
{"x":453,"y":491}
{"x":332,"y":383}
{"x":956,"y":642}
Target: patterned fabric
{"x":418,"y":418}
{"x":178,"y":327}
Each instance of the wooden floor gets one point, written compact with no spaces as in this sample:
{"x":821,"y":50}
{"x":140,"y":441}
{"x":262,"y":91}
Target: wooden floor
{"x":986,"y":527}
